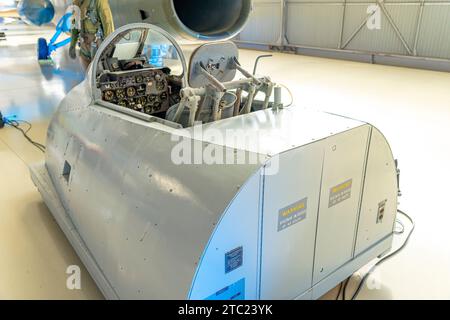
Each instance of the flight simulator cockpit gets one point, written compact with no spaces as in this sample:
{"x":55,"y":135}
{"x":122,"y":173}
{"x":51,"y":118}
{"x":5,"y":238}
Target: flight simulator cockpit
{"x":141,"y":70}
{"x":150,"y":221}
{"x":144,"y":70}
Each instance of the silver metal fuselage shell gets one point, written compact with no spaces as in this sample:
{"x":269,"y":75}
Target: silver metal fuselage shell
{"x":147,"y":228}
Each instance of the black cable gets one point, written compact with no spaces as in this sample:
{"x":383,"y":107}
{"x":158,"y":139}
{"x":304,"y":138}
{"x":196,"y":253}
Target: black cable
{"x":16,"y":125}
{"x":341,"y":286}
{"x":344,"y":291}
{"x":339,"y":292}
{"x":384,"y":259}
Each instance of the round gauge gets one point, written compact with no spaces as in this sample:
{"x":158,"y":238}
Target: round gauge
{"x":142,"y":100}
{"x":131,"y":91}
{"x":109,"y":95}
{"x":148,"y":110}
{"x":120,"y":93}
{"x":152,"y":99}
{"x":157,"y":106}
{"x":139,"y":79}
{"x":160,"y":85}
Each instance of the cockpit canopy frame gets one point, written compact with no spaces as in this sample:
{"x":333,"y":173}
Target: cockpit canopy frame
{"x":108,"y":46}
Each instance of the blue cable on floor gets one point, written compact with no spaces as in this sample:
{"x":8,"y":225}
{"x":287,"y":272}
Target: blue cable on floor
{"x":16,"y":124}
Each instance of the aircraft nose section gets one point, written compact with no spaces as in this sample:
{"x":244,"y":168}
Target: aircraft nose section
{"x":37,"y":12}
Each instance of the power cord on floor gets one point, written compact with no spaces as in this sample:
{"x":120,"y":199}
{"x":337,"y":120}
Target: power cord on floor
{"x":344,"y":290}
{"x":382,"y":260}
{"x":402,"y":228}
{"x":16,"y":124}
{"x":342,"y":287}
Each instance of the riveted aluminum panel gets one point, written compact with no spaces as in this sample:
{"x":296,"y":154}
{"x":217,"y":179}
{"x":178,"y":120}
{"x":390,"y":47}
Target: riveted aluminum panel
{"x":288,"y":253}
{"x":238,"y":228}
{"x":44,"y":184}
{"x":278,"y":131}
{"x":380,"y":187}
{"x":342,"y":180}
{"x":131,"y":204}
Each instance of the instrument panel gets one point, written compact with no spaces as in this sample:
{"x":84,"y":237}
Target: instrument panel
{"x":144,"y":91}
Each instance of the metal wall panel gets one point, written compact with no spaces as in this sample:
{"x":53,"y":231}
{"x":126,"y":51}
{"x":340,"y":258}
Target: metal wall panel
{"x":314,"y":1}
{"x":385,"y":39}
{"x":434,"y":38}
{"x":264,"y":25}
{"x":409,"y":29}
{"x":368,"y":40}
{"x":405,"y":17}
{"x":324,"y":18}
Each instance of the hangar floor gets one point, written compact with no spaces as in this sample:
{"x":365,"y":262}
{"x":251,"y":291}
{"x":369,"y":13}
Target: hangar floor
{"x":410,"y":106}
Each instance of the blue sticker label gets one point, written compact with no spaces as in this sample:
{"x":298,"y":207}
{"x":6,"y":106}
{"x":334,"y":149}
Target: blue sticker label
{"x":236,"y":291}
{"x":234,"y":259}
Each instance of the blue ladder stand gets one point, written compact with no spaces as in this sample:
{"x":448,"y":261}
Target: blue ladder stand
{"x":46,"y":49}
